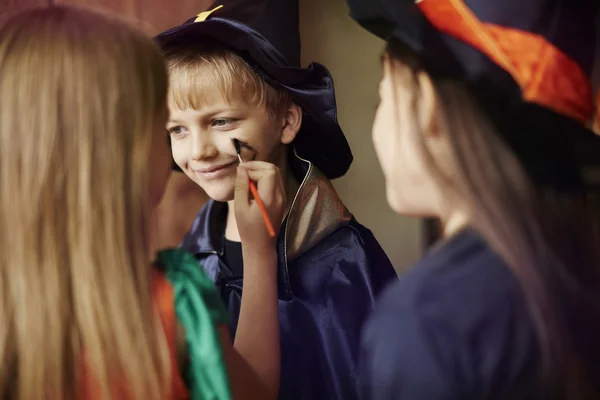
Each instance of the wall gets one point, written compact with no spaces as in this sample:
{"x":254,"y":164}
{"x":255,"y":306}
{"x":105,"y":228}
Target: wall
{"x":331,"y":38}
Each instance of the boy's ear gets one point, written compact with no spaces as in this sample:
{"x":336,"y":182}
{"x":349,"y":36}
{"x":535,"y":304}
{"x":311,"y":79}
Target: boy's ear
{"x":292,"y":121}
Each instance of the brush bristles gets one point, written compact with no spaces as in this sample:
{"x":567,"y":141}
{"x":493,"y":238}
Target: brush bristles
{"x":238,"y":146}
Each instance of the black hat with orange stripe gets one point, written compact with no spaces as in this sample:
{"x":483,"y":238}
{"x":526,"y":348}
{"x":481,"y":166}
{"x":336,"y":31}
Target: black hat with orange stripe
{"x":528,"y":62}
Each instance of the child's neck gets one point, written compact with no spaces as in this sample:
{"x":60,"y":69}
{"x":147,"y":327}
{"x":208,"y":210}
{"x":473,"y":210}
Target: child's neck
{"x":291,"y":187}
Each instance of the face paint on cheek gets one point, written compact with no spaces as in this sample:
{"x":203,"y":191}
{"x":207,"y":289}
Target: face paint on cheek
{"x":249,"y":149}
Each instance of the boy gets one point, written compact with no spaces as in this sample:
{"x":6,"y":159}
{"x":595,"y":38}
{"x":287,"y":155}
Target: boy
{"x":230,"y":81}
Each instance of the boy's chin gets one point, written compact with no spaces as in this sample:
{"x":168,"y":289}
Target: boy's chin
{"x":222,"y":189}
{"x":222,"y":194}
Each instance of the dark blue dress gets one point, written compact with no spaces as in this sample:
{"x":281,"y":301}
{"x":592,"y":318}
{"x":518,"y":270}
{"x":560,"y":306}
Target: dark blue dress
{"x":331,"y":269}
{"x":455,"y":327}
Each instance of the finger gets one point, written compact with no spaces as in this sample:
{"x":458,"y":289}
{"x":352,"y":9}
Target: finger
{"x":259,"y":165}
{"x":259,"y":170}
{"x":241,"y":195}
{"x":258,"y":175}
{"x":266,"y":183}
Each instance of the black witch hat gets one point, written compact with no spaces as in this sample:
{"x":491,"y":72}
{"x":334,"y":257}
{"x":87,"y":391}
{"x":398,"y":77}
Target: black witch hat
{"x":265,"y":34}
{"x":528,"y":62}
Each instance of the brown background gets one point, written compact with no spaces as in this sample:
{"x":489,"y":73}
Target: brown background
{"x":157,"y":15}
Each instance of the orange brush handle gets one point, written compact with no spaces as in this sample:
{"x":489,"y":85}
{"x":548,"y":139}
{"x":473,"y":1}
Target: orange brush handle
{"x":262,"y":208}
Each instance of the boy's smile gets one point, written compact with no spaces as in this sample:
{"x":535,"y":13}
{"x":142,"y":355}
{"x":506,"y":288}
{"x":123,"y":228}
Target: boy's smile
{"x":215,"y":171}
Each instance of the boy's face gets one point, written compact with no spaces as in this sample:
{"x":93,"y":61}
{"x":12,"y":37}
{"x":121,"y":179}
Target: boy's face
{"x":201,"y":141}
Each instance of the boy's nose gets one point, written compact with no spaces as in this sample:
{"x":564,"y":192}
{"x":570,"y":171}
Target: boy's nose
{"x":203,"y":148}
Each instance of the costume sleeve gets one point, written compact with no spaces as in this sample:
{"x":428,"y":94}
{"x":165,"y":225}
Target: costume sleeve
{"x":199,"y":309}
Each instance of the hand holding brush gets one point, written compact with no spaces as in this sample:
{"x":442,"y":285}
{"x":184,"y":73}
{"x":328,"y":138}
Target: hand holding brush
{"x":266,"y":186}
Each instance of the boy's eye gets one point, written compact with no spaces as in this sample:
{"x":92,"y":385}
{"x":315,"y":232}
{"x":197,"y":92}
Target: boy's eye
{"x":222,"y":122}
{"x":176,"y":130}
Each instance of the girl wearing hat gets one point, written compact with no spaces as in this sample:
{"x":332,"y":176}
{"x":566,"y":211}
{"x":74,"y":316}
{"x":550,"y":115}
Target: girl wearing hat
{"x":482,"y":123}
{"x":84,"y":312}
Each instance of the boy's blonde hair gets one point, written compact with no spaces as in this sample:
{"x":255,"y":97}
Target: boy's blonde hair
{"x":193,"y":69}
{"x":80,"y":96}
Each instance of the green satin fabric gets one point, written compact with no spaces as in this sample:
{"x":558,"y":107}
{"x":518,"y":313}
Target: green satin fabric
{"x":199,"y":309}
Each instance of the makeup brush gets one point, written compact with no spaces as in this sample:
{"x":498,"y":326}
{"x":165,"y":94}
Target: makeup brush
{"x":254,"y":190}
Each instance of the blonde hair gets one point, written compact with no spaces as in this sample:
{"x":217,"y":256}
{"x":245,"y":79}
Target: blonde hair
{"x":195,"y":69}
{"x":80,"y":94}
{"x":547,"y":238}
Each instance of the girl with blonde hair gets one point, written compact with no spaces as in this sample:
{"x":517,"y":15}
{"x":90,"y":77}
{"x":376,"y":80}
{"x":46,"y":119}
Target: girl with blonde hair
{"x":84,"y":161}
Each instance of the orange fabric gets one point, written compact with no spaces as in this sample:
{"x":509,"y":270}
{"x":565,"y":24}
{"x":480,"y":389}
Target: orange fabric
{"x":545,"y":74}
{"x":164,"y":303}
